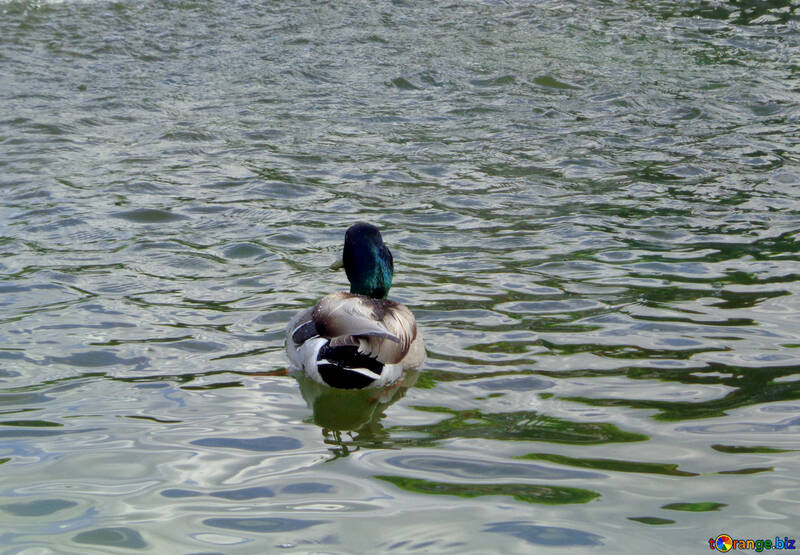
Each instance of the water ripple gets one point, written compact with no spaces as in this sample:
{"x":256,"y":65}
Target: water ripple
{"x":593,"y":214}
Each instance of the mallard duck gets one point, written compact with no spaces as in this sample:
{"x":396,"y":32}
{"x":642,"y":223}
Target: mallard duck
{"x":358,"y":339}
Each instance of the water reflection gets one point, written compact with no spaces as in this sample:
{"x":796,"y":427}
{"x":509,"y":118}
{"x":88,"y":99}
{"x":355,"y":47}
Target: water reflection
{"x":112,"y":537}
{"x":594,"y":205}
{"x":739,"y":12}
{"x":545,"y":535}
{"x":524,"y":493}
{"x":509,"y":426}
{"x":749,"y":385}
{"x":350,"y":418}
{"x":261,"y":524}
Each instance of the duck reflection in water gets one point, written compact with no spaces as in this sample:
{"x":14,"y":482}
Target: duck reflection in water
{"x":352,"y":418}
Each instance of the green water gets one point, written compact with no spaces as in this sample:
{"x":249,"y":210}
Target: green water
{"x":594,"y":213}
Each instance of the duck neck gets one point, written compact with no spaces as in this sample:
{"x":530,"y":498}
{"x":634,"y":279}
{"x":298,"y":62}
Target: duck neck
{"x":375,"y":281}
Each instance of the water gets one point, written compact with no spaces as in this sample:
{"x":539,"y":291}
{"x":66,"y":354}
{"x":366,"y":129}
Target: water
{"x":594,"y":213}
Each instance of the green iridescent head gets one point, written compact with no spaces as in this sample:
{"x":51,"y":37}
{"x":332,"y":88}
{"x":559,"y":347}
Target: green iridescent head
{"x":367,"y":261}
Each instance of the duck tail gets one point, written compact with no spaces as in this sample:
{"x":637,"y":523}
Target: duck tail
{"x":344,"y":367}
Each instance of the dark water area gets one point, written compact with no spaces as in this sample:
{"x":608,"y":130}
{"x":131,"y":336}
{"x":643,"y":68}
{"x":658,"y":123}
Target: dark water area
{"x":594,"y":211}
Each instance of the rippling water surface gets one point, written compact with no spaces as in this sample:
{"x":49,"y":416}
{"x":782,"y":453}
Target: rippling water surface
{"x":595,"y":215}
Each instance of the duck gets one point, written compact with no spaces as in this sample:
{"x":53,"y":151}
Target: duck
{"x":358,"y":339}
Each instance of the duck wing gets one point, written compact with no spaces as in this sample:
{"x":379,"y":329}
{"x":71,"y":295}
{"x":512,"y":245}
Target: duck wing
{"x":381,"y":329}
{"x":399,"y":321}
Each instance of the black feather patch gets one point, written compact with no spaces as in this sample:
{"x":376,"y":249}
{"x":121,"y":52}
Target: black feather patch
{"x":348,"y":356}
{"x":304,"y":332}
{"x":343,"y":378}
{"x":337,"y":371}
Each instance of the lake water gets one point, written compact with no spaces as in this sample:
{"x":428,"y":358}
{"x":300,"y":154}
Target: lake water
{"x":594,"y":213}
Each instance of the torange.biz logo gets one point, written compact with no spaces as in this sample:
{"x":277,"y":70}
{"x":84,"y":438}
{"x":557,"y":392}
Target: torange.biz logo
{"x":725,"y":543}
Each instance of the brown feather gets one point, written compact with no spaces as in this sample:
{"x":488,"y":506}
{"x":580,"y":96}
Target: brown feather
{"x":382,"y":329}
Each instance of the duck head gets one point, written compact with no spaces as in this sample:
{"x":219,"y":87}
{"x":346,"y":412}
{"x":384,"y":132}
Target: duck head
{"x":367,"y":261}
